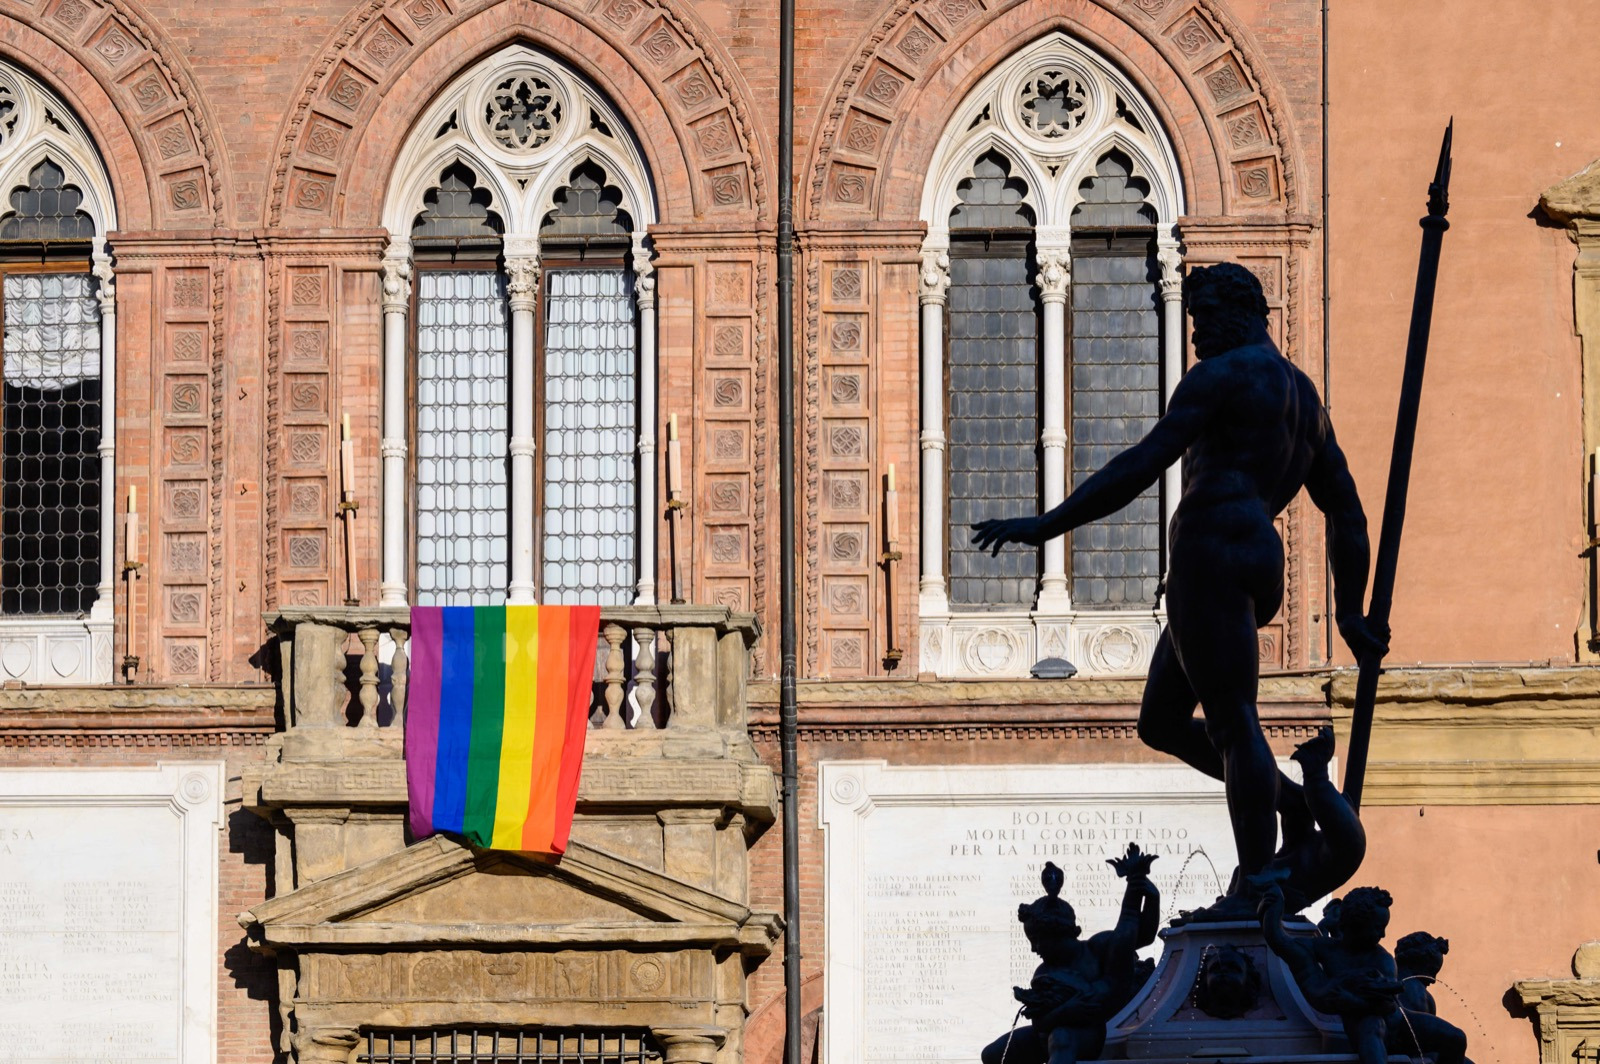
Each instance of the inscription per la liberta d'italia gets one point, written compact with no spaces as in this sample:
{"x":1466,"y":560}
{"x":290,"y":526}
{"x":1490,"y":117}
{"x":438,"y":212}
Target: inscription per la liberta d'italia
{"x":90,"y":934}
{"x":940,"y":882}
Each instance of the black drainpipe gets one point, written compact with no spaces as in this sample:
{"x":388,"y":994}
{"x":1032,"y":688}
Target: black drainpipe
{"x":788,"y":715}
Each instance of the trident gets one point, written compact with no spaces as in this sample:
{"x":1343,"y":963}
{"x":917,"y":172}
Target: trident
{"x":1394,"y":499}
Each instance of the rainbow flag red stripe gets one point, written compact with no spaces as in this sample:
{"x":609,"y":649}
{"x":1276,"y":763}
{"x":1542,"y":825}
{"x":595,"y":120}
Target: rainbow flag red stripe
{"x":496,"y":715}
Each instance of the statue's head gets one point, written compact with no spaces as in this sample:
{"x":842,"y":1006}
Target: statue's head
{"x":1049,"y":922}
{"x":1364,"y":917}
{"x":1329,"y":924}
{"x":1420,"y":953}
{"x":1226,"y":307}
{"x":1229,"y":983}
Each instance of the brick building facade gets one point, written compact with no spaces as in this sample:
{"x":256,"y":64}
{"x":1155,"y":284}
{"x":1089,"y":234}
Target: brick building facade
{"x":300,"y":213}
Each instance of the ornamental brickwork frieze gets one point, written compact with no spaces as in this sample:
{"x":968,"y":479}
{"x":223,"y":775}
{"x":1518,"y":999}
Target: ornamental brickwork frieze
{"x":662,"y":42}
{"x":140,"y":71}
{"x":1202,"y":47}
{"x":446,"y":975}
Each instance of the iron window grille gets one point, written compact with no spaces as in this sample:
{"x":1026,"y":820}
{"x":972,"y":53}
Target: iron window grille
{"x":483,"y":1045}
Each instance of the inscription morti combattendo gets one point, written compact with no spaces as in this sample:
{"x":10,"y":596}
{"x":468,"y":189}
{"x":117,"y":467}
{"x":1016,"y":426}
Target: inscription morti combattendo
{"x":926,"y":867}
{"x":98,"y":914}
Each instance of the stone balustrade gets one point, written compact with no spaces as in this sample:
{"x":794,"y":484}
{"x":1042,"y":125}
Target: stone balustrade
{"x":658,"y":667}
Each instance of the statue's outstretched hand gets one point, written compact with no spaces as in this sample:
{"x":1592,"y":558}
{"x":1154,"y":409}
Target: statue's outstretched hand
{"x":1362,"y":636}
{"x":993,"y":534}
{"x":1133,"y":865}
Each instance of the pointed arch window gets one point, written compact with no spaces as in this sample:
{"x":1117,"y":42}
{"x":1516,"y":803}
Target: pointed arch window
{"x":1050,"y":318}
{"x":57,"y":394}
{"x":521,"y":283}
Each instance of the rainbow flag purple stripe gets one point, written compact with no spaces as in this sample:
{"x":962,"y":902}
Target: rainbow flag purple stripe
{"x":495,"y":721}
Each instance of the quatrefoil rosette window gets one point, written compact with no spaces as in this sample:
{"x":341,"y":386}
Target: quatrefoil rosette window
{"x":521,"y":122}
{"x":523,"y":111}
{"x":1055,"y":104}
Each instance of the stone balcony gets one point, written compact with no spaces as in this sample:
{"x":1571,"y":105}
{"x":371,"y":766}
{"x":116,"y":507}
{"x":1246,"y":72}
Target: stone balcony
{"x":644,"y":923}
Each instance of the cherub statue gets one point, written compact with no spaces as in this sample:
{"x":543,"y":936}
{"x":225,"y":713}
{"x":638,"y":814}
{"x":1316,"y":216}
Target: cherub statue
{"x":1079,"y":985}
{"x":1318,"y":857}
{"x":1350,"y":976}
{"x":1416,"y":1025}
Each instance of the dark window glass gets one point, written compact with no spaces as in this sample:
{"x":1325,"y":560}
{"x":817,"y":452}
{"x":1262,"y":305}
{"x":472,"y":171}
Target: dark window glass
{"x":46,"y":208}
{"x":1116,"y":378}
{"x":587,"y":207}
{"x":49,"y":445}
{"x":457,"y":210}
{"x":993,"y":423}
{"x":992,"y":198}
{"x":1116,"y":396}
{"x":1113,"y":197}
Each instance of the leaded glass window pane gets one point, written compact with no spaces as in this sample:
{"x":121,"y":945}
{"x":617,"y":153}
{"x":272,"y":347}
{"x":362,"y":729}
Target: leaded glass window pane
{"x":993,"y":425}
{"x":462,"y":379}
{"x":49,"y":461}
{"x":588,"y":545}
{"x":46,"y":208}
{"x":1116,"y":396}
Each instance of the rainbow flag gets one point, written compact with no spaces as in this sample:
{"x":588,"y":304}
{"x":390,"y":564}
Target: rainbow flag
{"x":496,"y":714}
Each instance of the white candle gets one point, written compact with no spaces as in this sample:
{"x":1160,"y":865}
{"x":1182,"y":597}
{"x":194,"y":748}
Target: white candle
{"x":891,"y":511}
{"x":130,"y":541}
{"x":347,"y":460}
{"x":674,"y":459}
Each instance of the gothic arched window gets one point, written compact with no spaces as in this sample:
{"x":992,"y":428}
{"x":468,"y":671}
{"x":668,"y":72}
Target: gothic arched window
{"x":56,"y":417}
{"x":518,"y":216}
{"x":1049,"y":293}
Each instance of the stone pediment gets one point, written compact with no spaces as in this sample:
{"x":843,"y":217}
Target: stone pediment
{"x":1576,"y":197}
{"x":439,"y":892}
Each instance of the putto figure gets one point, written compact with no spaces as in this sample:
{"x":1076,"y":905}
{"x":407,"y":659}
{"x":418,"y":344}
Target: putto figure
{"x":1350,"y":976}
{"x":1079,"y":985}
{"x":1252,"y":432}
{"x":1416,"y":1024}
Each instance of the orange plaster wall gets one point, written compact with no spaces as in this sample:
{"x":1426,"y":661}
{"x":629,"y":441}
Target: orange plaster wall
{"x":1511,"y":887}
{"x":1490,"y":568}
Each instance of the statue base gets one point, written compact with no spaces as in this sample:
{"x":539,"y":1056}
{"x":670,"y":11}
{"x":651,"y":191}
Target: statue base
{"x":1218,"y":993}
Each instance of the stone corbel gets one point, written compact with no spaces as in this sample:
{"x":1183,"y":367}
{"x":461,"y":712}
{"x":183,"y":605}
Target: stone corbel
{"x":690,"y":1045}
{"x":326,"y":1045}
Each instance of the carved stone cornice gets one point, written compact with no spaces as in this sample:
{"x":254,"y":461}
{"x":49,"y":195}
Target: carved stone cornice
{"x":522,"y":282}
{"x":1055,"y":274}
{"x":933,"y":279}
{"x":396,"y":283}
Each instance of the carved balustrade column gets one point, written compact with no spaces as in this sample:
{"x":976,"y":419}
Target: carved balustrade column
{"x":1170,"y":257}
{"x":392,"y":446}
{"x":644,"y":288}
{"x":107,"y":293}
{"x":522,"y":270}
{"x":1055,"y":278}
{"x":933,"y":293}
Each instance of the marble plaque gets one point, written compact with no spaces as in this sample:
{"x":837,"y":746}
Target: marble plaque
{"x":108,"y":914}
{"x":926,"y":867}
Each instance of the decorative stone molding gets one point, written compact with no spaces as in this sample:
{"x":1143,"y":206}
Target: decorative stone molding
{"x":701,"y":102}
{"x":1101,"y":643}
{"x":158,"y":102}
{"x":1567,"y":1010}
{"x":1247,"y":132}
{"x":150,"y":833}
{"x":47,"y":650}
{"x":1446,"y":734}
{"x":1575,"y":203}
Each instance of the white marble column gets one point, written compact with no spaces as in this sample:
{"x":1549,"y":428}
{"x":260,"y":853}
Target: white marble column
{"x":523,"y":287}
{"x":1170,"y":258}
{"x":107,"y":293}
{"x":392,"y":446}
{"x":644,"y":287}
{"x":1055,"y":278}
{"x":932,"y":294}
